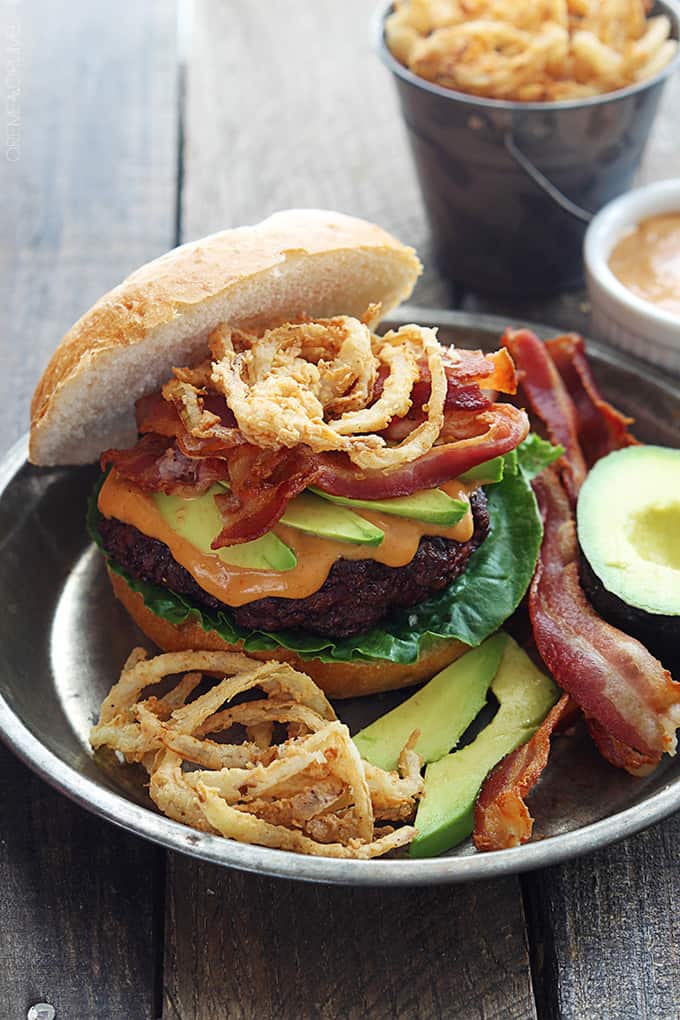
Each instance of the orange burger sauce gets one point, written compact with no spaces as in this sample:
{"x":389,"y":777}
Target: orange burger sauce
{"x":237,"y":585}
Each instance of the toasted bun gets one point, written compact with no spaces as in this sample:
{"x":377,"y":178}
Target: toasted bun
{"x":337,"y":679}
{"x":299,"y":262}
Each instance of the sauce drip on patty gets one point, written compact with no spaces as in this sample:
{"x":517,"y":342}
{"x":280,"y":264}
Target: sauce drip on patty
{"x":236,"y":586}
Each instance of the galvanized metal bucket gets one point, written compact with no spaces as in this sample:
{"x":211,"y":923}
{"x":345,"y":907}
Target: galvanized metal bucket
{"x":509,"y":187}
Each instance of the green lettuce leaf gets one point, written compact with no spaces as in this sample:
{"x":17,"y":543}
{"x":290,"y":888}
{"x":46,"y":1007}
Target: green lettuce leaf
{"x":470,"y":609}
{"x":535,"y":454}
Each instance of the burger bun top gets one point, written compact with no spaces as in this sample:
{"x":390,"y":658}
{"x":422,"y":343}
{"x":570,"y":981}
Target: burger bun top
{"x":300,"y":262}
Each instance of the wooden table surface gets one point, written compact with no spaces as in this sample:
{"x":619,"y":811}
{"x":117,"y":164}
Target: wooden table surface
{"x":125,"y":137}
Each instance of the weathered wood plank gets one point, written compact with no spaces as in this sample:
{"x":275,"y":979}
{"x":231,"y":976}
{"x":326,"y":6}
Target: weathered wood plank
{"x":240,"y":946}
{"x":289,"y":106}
{"x":92,"y":193}
{"x":662,"y":156}
{"x":605,"y":932}
{"x":88,"y":193}
{"x":80,"y":903}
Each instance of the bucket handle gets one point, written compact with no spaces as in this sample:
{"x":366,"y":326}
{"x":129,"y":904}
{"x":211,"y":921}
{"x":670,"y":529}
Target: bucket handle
{"x":542,"y":181}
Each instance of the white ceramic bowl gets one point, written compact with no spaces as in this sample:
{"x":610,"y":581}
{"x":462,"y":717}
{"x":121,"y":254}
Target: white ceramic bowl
{"x":617,"y":315}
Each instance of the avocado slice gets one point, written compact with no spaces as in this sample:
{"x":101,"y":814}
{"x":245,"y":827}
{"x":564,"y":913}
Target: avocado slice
{"x":442,"y":710}
{"x":445,"y":813}
{"x":628,"y":519}
{"x":319,"y":517}
{"x":198,"y":521}
{"x":434,"y":506}
{"x":488,"y":472}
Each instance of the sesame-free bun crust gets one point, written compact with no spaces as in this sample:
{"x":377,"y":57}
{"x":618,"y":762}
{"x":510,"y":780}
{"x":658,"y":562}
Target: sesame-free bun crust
{"x":338,"y":680}
{"x":296,"y":263}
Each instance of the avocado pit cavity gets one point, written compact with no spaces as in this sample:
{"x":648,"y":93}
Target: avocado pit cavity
{"x":654,"y":532}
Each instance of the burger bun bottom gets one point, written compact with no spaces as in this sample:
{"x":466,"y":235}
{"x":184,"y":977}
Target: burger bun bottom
{"x":337,"y":679}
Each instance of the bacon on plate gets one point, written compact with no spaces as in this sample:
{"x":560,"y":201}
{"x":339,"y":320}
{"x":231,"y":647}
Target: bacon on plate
{"x":611,"y":676}
{"x":601,"y":428}
{"x":619,"y":754}
{"x":502,"y":818}
{"x":549,"y":400}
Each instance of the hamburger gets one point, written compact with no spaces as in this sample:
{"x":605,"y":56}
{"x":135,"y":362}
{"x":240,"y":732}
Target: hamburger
{"x":277,"y":475}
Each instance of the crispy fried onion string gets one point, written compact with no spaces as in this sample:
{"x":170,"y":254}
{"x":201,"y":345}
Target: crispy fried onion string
{"x":311,"y":792}
{"x":313,"y":383}
{"x":198,"y":421}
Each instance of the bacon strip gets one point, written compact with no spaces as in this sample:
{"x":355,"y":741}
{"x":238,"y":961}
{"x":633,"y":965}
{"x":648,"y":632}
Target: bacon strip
{"x":465,"y":377}
{"x":548,"y":400}
{"x":155,"y":464}
{"x":191,"y":440}
{"x":164,"y":417}
{"x":460,"y":400}
{"x":262,"y":482}
{"x":471,"y":371}
{"x":154,"y":414}
{"x":611,"y":676}
{"x":502,"y":819}
{"x":621,"y":755}
{"x":601,"y":428}
{"x":492,"y":371}
{"x":503,"y":428}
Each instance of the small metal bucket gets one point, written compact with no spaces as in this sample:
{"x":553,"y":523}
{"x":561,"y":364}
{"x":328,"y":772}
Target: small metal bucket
{"x":509,"y":187}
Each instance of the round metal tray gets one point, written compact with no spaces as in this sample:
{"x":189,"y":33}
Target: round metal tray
{"x":63,"y":639}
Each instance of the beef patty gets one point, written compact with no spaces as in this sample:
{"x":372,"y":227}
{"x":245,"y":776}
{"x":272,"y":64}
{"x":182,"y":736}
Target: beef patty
{"x":356,"y":595}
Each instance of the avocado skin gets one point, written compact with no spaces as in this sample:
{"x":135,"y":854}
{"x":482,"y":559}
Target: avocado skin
{"x":660,"y":634}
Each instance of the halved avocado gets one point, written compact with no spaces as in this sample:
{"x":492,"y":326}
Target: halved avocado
{"x":628,"y":519}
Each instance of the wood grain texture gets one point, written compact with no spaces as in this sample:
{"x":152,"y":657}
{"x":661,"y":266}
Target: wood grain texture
{"x":240,"y":946}
{"x":79,"y":907}
{"x":91,"y":195}
{"x":287,"y":105}
{"x":606,"y":932}
{"x":662,"y":155}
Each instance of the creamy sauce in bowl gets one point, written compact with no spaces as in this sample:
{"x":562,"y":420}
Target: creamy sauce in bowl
{"x":647,"y":261}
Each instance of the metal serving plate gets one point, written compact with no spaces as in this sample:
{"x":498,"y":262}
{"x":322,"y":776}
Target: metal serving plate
{"x":63,"y":639}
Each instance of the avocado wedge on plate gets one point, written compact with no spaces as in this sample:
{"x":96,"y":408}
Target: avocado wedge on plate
{"x":628,"y":518}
